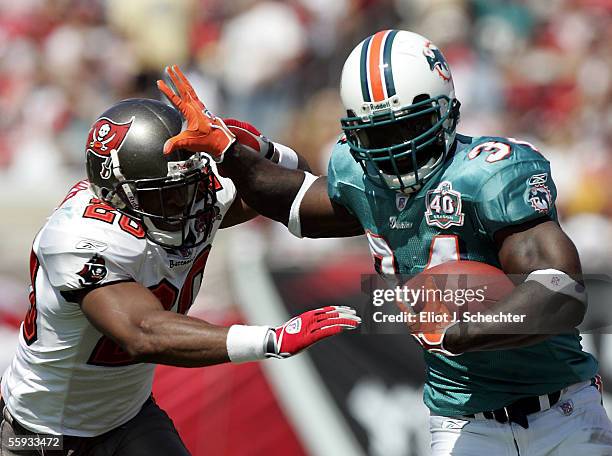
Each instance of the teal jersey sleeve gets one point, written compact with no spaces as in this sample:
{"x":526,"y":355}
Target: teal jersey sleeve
{"x":518,"y":192}
{"x":341,"y":173}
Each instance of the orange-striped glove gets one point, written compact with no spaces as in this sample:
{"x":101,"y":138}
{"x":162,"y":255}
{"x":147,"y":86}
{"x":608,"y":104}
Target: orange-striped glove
{"x":205,"y":132}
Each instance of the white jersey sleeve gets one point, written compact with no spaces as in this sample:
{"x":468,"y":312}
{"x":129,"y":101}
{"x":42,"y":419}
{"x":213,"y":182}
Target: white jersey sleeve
{"x":87,"y":254}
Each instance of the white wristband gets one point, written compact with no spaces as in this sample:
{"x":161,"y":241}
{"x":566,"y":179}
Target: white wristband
{"x":294,"y":224}
{"x":287,"y":158}
{"x":559,"y":282}
{"x":246,"y":343}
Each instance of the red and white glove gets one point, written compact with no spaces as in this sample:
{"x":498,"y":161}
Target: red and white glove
{"x":309,"y":328}
{"x":251,"y":343}
{"x":248,"y":135}
{"x":204,"y":132}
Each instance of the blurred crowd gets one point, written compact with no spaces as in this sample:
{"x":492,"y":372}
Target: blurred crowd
{"x":538,"y":71}
{"x":535,"y":70}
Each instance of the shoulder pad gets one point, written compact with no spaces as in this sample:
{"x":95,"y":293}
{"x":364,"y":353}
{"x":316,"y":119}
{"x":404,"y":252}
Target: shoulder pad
{"x":490,"y":150}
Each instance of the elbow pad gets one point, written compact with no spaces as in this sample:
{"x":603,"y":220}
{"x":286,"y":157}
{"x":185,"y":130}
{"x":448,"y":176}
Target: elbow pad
{"x":294,"y":224}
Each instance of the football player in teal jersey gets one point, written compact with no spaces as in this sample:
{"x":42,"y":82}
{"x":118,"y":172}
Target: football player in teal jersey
{"x":424,"y":195}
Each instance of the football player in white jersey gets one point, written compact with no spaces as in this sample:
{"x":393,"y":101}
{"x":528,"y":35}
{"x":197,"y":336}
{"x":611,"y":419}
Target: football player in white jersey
{"x":114,"y":271}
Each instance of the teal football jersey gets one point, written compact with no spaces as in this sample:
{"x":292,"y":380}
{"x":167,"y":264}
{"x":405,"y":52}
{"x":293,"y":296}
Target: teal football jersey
{"x":488,"y":183}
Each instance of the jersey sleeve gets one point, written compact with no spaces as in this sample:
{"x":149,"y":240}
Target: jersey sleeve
{"x":338,"y":171}
{"x":81,"y":261}
{"x":515,"y":194}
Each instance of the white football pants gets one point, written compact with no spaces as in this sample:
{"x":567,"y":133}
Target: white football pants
{"x":577,"y":425}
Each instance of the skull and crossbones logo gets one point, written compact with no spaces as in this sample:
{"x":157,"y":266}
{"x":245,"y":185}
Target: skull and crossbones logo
{"x":100,"y":140}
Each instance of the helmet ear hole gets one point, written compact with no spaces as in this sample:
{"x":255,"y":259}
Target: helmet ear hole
{"x":420,"y":97}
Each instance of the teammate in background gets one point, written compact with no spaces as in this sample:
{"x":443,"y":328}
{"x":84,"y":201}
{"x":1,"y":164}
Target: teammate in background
{"x":424,"y":195}
{"x":114,"y":271}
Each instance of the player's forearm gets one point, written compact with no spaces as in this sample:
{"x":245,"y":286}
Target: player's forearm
{"x":177,"y":340}
{"x":264,"y":186}
{"x":167,"y":338}
{"x":542,"y":314}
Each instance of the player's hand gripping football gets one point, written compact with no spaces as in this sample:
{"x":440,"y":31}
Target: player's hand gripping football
{"x":309,"y":328}
{"x":432,"y":319}
{"x":205,"y":132}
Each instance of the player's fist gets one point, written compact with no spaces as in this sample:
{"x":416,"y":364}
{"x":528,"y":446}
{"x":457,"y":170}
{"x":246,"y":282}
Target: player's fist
{"x":204,"y":132}
{"x":432,"y":317}
{"x":308,"y":328}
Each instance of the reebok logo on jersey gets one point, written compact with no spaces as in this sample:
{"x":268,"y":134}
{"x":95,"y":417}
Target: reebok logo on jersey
{"x":93,"y":271}
{"x":537,"y":179}
{"x":90,"y":244}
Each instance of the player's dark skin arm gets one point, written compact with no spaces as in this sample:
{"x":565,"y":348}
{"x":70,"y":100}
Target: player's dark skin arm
{"x":524,"y":249}
{"x":270,"y":190}
{"x":133,"y":317}
{"x":240,"y":212}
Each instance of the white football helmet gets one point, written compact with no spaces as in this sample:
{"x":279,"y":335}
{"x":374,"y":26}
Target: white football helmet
{"x":401,"y":108}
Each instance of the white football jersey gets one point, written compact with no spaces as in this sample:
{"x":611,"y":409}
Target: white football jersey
{"x":67,"y":378}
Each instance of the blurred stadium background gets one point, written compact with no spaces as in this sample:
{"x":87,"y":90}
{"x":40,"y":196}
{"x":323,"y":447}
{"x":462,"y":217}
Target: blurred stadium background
{"x":531,"y":69}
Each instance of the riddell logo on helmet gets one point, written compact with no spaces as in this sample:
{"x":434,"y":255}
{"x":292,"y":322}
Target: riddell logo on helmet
{"x":379,"y":106}
{"x":106,"y":135}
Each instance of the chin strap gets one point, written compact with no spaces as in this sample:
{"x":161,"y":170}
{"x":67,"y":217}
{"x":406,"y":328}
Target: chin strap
{"x":121,"y":178}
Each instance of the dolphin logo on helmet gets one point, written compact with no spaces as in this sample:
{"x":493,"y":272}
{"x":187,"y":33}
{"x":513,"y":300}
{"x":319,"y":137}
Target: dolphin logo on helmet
{"x":436,"y":61}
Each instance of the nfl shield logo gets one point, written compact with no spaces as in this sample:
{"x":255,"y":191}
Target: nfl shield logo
{"x":567,"y":407}
{"x":401,"y":201}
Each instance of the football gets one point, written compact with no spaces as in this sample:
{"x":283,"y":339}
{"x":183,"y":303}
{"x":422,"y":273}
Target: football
{"x":461,"y":286}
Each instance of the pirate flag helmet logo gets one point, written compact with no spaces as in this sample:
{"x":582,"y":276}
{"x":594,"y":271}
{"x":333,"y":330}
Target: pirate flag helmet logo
{"x":104,"y":137}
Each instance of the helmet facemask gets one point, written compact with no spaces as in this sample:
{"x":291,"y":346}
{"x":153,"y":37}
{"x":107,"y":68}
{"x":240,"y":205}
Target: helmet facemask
{"x":400,"y":149}
{"x":178,"y":210}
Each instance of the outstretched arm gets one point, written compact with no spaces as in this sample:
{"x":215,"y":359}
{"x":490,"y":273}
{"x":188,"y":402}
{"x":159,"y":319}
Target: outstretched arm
{"x":133,"y":317}
{"x":272,"y":191}
{"x":284,"y":195}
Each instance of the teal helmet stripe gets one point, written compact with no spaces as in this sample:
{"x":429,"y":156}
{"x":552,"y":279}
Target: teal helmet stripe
{"x":390,"y":85}
{"x":365,"y":91}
